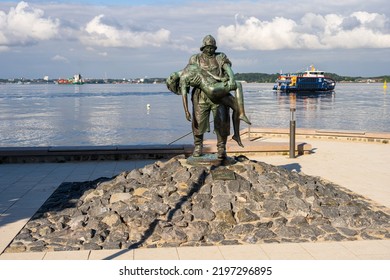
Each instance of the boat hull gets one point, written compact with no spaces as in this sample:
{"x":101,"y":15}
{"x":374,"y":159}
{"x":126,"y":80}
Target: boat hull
{"x":305,"y":84}
{"x":311,"y":81}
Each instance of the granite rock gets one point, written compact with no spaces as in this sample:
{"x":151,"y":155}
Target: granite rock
{"x":173,"y":204}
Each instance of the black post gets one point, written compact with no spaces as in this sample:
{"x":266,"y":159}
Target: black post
{"x":292,"y":133}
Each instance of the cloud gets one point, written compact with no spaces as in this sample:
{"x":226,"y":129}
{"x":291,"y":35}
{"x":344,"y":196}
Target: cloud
{"x":24,"y":25}
{"x":99,"y":33}
{"x":313,"y":31}
{"x":59,"y":58}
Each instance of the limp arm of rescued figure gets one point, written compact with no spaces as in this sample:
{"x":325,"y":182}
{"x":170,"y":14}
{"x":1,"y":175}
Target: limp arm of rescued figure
{"x":184,"y":93}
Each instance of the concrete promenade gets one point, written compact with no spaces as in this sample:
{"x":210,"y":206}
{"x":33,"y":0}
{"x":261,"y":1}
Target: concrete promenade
{"x":361,"y":167}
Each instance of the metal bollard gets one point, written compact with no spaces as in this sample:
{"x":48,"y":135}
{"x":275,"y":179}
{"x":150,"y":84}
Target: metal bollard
{"x":292,"y":132}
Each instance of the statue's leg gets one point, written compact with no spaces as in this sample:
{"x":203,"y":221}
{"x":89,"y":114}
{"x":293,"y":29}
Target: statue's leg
{"x":221,"y":145}
{"x":198,"y":142}
{"x":201,"y":113}
{"x":221,"y":128}
{"x":200,"y":122}
{"x":236,"y":128}
{"x":240,"y":103}
{"x":231,"y":101}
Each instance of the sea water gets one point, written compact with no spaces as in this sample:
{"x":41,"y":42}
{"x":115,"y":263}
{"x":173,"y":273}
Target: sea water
{"x":128,"y":114}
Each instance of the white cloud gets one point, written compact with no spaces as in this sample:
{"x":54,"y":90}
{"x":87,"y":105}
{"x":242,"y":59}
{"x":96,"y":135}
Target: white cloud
{"x":359,"y":30}
{"x":299,"y":33}
{"x":59,"y":58}
{"x":98,"y":33}
{"x":24,"y":25}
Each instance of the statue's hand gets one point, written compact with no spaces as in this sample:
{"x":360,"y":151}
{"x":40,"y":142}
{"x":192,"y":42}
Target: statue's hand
{"x":196,"y":81}
{"x":188,"y":116}
{"x":224,"y":79}
{"x":232,"y":85}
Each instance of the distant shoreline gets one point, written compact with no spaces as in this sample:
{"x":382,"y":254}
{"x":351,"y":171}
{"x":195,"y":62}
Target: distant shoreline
{"x":52,"y":82}
{"x":242,"y":77}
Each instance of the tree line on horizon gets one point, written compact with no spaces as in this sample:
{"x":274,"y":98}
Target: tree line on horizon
{"x":246,"y":77}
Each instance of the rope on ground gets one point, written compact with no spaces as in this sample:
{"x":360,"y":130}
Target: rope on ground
{"x":183,"y":136}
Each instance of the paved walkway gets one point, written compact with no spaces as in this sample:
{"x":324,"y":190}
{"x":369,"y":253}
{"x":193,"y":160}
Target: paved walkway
{"x":361,"y":167}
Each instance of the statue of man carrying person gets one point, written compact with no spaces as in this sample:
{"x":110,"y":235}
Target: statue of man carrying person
{"x":212,"y":79}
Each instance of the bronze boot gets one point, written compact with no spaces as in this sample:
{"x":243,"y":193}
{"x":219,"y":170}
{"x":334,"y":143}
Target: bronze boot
{"x":221,"y":146}
{"x":198,"y":141}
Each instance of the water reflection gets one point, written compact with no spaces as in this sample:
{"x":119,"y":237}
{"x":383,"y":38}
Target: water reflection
{"x":76,"y":89}
{"x":307,"y":101}
{"x":269,"y":108}
{"x":40,"y":115}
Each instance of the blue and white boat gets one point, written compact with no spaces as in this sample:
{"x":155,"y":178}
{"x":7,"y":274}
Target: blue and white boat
{"x":310,"y":81}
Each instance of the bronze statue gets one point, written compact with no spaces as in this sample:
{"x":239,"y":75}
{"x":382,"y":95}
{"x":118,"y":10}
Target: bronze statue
{"x":216,"y":89}
{"x":212,"y":79}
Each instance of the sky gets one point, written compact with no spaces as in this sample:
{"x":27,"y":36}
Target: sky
{"x":152,"y":38}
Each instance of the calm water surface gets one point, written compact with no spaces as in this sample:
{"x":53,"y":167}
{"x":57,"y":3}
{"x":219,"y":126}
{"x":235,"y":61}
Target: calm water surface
{"x":58,"y":115}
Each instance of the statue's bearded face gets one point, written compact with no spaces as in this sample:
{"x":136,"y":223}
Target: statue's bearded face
{"x":209,"y":50}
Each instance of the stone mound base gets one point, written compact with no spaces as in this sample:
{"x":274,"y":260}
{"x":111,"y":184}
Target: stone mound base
{"x":173,"y":204}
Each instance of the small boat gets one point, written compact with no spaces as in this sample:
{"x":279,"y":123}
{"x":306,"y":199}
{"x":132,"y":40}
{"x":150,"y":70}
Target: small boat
{"x":309,"y":81}
{"x":75,"y":80}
